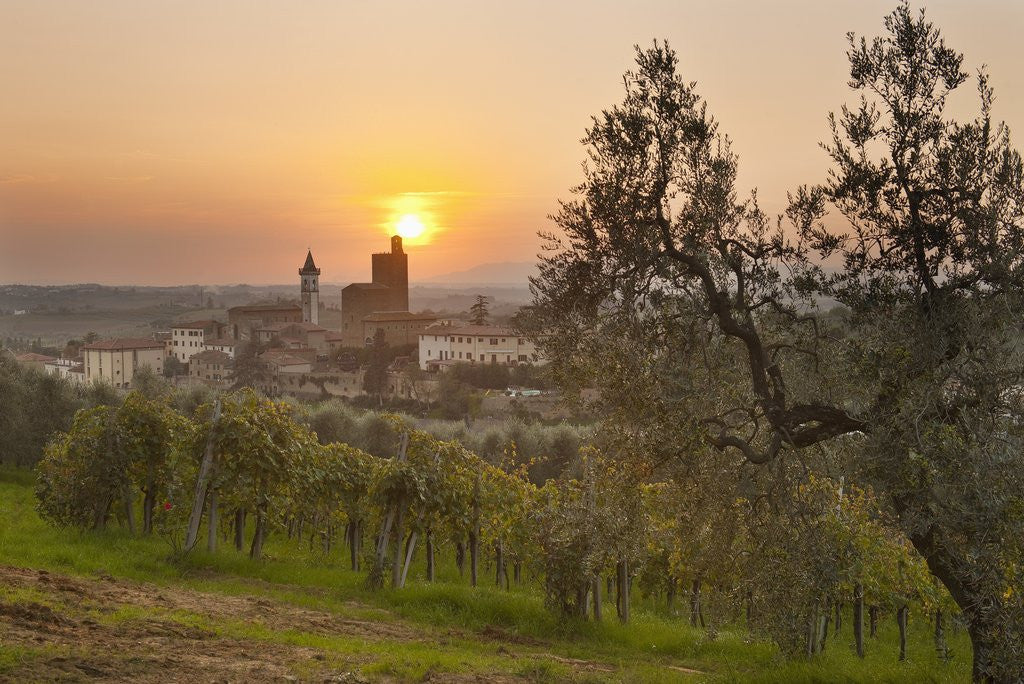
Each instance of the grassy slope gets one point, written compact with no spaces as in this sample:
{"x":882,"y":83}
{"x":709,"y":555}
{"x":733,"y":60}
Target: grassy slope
{"x":653,"y":648}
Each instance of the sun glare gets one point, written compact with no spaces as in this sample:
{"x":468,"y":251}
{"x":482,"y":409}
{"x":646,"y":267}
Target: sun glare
{"x":409,"y":226}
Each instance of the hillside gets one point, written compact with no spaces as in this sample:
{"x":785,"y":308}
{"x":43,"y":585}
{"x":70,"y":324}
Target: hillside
{"x":501,"y":273}
{"x":111,"y":607}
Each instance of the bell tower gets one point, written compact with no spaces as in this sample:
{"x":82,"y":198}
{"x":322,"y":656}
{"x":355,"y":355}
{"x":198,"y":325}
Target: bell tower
{"x":310,"y":291}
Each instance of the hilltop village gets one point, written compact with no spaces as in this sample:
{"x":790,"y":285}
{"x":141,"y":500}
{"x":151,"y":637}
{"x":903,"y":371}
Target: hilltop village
{"x":282,"y":350}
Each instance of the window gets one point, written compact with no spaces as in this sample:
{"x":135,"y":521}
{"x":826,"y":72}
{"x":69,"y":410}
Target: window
{"x":522,"y":357}
{"x":494,"y":341}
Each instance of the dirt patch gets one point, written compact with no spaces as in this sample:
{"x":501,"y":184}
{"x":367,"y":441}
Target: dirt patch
{"x":156,"y":638}
{"x":35,"y":615}
{"x":157,"y":646}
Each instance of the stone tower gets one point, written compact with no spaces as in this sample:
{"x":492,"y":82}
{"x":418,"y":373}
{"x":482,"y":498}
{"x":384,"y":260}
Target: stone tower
{"x":392,"y":269}
{"x":310,"y":291}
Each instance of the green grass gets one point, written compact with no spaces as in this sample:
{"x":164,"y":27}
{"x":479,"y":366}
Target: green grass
{"x":653,"y":647}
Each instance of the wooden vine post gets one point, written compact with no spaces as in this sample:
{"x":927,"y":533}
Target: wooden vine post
{"x":411,"y":547}
{"x":202,"y":482}
{"x":474,"y":534}
{"x":396,"y":509}
{"x":858,"y":618}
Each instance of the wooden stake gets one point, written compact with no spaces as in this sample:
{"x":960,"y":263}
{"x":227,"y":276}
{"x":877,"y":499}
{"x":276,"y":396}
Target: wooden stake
{"x":202,"y":482}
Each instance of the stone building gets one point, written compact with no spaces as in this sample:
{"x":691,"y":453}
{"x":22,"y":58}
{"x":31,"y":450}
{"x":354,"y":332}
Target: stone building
{"x":399,"y":327}
{"x":189,"y":338}
{"x":445,"y":344}
{"x":210,"y":366}
{"x":387,"y":291}
{"x":33,"y":360}
{"x":294,"y":335}
{"x":116,"y":361}
{"x":310,"y":290}
{"x":242,"y":320}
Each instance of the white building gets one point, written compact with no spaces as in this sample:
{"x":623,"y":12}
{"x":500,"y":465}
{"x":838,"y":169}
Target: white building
{"x":190,"y":338}
{"x":221,"y":344}
{"x":115,"y":361}
{"x":475,"y":344}
{"x":64,"y":368}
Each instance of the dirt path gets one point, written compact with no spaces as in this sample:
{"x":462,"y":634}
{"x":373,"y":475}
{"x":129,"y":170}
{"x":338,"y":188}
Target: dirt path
{"x":115,"y":630}
{"x":68,"y":620}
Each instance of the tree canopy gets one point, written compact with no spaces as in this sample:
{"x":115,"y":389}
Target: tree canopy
{"x":700,"y":316}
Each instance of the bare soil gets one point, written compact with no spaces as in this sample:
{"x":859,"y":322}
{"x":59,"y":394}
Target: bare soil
{"x":152,"y":640}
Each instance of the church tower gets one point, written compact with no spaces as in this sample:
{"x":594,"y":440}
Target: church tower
{"x":310,"y":291}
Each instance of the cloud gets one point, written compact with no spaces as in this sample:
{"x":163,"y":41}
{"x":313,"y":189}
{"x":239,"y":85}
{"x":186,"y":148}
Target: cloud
{"x":129,"y":179}
{"x":27,"y":179}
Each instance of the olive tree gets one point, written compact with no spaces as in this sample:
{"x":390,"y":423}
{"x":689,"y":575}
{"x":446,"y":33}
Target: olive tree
{"x":688,"y":306}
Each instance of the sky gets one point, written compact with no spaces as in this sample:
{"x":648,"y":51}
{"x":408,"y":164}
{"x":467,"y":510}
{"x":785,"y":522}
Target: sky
{"x":212,"y":142}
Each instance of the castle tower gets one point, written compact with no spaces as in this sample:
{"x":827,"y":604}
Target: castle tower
{"x":392,"y":269}
{"x":310,"y":291}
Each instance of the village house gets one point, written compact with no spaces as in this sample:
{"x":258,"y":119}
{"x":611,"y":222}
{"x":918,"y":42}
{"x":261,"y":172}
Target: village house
{"x":399,"y":327}
{"x":441,"y":345}
{"x":116,"y":361}
{"x":33,"y":360}
{"x":222,"y":344}
{"x":64,"y":368}
{"x":210,"y":366}
{"x":188,"y":338}
{"x":294,"y":335}
{"x":242,"y":320}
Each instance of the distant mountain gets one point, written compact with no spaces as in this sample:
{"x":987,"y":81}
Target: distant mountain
{"x":505,"y":272}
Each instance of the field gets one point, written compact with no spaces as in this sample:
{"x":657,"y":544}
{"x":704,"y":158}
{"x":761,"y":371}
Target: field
{"x":111,"y":607}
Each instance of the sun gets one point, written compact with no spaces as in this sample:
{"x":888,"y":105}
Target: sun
{"x":409,"y":226}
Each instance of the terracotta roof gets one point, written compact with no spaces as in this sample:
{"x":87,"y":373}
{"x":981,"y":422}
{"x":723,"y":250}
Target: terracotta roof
{"x":300,"y":325}
{"x":274,"y":327}
{"x":221,"y":342}
{"x":470,"y":330}
{"x":122,"y":343}
{"x":210,"y":356}
{"x":271,"y":353}
{"x":284,"y":360}
{"x":32,"y":356}
{"x":192,"y":325}
{"x":309,"y":266}
{"x":309,"y":327}
{"x":381,"y":316}
{"x":265,"y":307}
{"x":367,"y":286}
{"x":333,"y":335}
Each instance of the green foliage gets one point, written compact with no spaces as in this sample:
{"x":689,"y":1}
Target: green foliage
{"x":696,"y":317}
{"x":33,"y":407}
{"x":84,"y":471}
{"x":375,"y":378}
{"x":478,"y":311}
{"x":460,"y":623}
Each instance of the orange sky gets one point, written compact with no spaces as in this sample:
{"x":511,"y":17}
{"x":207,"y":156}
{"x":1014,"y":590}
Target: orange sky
{"x":212,"y":142}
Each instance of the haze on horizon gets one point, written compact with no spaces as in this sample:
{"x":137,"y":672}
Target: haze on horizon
{"x":189,"y":142}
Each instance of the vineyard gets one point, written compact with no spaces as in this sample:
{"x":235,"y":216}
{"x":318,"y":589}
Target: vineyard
{"x":599,"y":542}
